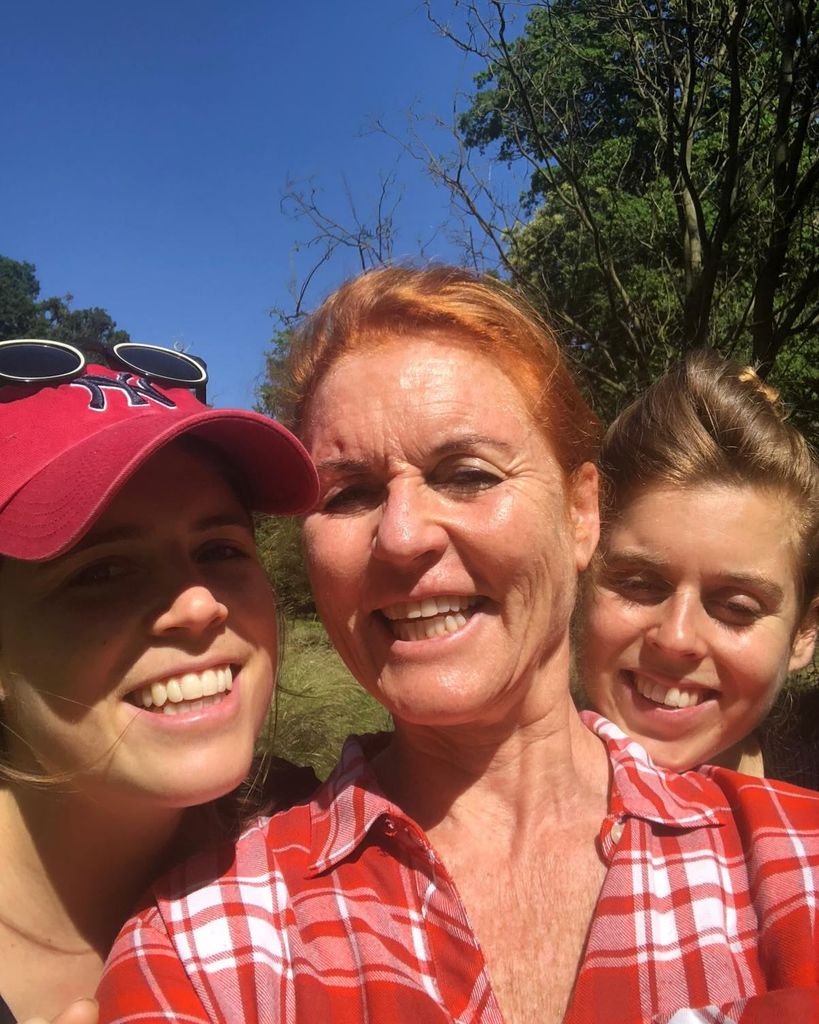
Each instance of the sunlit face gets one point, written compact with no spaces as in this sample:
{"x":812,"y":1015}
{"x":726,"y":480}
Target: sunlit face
{"x":693,"y":622}
{"x":444,"y":549}
{"x":163,"y":604}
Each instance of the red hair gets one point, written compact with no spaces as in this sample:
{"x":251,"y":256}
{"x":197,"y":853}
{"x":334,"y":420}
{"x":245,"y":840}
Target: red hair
{"x":457,"y":306}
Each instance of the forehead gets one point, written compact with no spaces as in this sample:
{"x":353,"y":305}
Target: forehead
{"x":415,"y":384}
{"x":709,"y":529}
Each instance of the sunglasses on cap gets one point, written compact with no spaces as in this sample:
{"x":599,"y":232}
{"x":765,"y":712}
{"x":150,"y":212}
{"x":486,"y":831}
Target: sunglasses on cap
{"x":42,"y":361}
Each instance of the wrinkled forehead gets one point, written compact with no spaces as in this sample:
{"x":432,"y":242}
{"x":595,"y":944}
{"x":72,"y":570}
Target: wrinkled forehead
{"x":437,"y":353}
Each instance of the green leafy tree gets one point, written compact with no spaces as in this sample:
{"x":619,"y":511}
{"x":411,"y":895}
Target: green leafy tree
{"x":24,"y":315}
{"x":19,"y":290}
{"x":279,"y":539}
{"x":671,"y":155}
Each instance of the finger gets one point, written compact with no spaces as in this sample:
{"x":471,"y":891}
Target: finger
{"x":82,"y":1011}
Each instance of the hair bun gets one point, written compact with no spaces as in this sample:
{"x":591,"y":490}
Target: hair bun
{"x":749,"y":376}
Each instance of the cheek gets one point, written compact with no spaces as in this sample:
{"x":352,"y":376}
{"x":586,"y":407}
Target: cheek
{"x":759,"y":668}
{"x":608,"y":624}
{"x":46,"y":731}
{"x":46,"y":665}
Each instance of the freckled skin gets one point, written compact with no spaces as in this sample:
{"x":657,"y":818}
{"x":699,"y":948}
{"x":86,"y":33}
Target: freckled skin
{"x":79,"y":632}
{"x":697,"y":586}
{"x":435,"y":481}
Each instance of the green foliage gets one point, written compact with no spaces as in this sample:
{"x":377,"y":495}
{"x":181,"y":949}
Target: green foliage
{"x":19,"y":289}
{"x":274,"y":394}
{"x":23,"y":315}
{"x":279,"y":543}
{"x":319,"y":703}
{"x":673,"y":164}
{"x":279,"y":540}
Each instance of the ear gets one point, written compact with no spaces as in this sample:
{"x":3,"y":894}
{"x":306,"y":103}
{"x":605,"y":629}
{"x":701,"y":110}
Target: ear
{"x":585,"y":513}
{"x":804,"y":642}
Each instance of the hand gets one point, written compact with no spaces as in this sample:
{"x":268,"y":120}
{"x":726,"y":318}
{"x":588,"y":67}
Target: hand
{"x":81,"y":1011}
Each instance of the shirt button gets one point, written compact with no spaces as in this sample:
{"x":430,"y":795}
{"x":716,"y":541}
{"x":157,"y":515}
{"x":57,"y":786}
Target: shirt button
{"x":390,"y":827}
{"x":617,"y":831}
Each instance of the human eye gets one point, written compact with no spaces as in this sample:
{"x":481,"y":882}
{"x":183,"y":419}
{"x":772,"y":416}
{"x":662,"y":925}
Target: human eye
{"x":465,"y":476}
{"x":99,"y":573}
{"x":236,"y":544}
{"x":349,"y":498}
{"x":222,"y":551}
{"x":639,"y":588}
{"x":734,"y":609}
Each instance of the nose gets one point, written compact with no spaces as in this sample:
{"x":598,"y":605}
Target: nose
{"x":192,"y":609}
{"x":677,"y":628}
{"x":409,"y":529}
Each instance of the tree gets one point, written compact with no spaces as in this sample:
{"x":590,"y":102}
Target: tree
{"x":671,"y":152}
{"x":19,"y":289}
{"x":23,"y":315}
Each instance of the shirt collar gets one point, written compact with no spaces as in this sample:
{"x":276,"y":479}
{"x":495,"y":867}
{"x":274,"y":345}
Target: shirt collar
{"x":642,"y":790}
{"x":349,"y":804}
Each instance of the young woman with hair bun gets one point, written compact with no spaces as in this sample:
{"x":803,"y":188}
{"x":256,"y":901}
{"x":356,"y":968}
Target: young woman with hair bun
{"x":703,"y":592}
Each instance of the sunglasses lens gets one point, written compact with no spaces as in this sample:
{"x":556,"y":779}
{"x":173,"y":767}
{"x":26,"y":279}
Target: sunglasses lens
{"x":30,"y":361}
{"x":162,"y":363}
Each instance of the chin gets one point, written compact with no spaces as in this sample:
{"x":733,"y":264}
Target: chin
{"x":667,"y":756}
{"x":205,"y":779}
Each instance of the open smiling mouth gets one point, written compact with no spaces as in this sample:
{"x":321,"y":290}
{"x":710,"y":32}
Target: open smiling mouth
{"x":192,"y":691}
{"x":671,"y":697}
{"x":433,"y":617}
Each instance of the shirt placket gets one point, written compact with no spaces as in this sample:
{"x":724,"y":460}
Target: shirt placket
{"x":458,"y":969}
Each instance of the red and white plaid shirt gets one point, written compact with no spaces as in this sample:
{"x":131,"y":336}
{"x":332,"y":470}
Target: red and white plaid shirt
{"x":339,"y":911}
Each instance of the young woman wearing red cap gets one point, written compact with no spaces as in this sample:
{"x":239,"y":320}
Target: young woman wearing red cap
{"x":137,"y":642}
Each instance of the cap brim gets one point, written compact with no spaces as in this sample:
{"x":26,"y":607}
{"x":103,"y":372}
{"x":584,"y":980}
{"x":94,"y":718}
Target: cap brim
{"x":58,"y":505}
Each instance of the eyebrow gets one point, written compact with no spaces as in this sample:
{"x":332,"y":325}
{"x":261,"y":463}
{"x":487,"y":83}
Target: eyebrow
{"x":755,"y":581}
{"x":126,"y":531}
{"x":455,"y":445}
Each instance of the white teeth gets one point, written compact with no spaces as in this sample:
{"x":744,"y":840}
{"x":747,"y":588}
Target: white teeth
{"x":428,"y":629}
{"x":195,"y":689}
{"x":429,"y":607}
{"x":674,"y":697}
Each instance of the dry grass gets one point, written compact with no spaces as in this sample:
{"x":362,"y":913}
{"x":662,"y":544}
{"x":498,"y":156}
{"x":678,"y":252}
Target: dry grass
{"x":319,"y":702}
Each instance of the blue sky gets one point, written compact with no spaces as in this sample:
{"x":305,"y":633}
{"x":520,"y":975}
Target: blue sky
{"x":146,"y":147}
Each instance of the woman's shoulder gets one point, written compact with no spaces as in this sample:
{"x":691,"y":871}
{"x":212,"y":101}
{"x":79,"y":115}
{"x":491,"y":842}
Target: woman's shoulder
{"x":766,"y":808}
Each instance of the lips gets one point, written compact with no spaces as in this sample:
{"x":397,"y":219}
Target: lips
{"x":679,"y":696}
{"x":185,"y":693}
{"x":431,"y":617}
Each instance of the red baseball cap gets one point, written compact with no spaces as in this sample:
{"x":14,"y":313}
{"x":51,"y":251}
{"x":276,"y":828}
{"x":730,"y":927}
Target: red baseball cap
{"x":66,"y":449}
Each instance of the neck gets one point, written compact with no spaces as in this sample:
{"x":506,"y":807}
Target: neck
{"x":77,"y":867}
{"x":532,"y":770}
{"x":745,"y":756}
